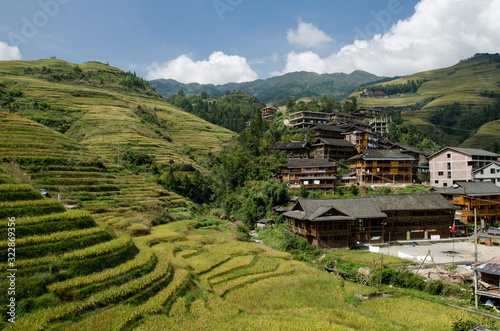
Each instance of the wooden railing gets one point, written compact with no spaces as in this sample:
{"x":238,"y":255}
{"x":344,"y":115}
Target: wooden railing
{"x":297,"y":230}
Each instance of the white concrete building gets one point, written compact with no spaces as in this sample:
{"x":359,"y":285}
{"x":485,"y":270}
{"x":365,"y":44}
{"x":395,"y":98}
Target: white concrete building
{"x":454,"y":164}
{"x":488,"y":173}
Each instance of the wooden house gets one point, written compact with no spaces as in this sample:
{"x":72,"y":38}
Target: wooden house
{"x":361,"y":138}
{"x":483,"y":197}
{"x":293,"y":149}
{"x":490,"y":279}
{"x":330,"y":131}
{"x":334,"y":149}
{"x":341,"y":223}
{"x":269,"y":111}
{"x":304,"y":119}
{"x":311,"y":173}
{"x":383,"y":166}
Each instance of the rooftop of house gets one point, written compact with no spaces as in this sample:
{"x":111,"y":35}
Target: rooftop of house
{"x":375,"y":206}
{"x":487,"y":166}
{"x":472,"y":189}
{"x":308,"y":163}
{"x":382,"y":154}
{"x":327,"y":127}
{"x":467,"y":151}
{"x":291,"y":145}
{"x":332,"y":142}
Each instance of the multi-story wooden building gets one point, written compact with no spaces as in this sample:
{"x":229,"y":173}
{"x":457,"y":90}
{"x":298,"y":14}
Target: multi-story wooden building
{"x":454,"y":164}
{"x":312,"y":173}
{"x":269,"y":111}
{"x":362,"y":139}
{"x":304,"y":119}
{"x":488,"y":173}
{"x":339,"y":223}
{"x":383,"y":166}
{"x":294,"y":149}
{"x":334,"y":149}
{"x":342,"y":117}
{"x":481,"y":197}
{"x":330,"y":131}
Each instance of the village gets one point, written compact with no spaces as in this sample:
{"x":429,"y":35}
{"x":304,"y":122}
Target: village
{"x":464,"y":194}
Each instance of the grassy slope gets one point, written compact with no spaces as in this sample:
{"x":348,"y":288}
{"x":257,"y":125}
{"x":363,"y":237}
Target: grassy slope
{"x":182,"y":278}
{"x":104,"y":114}
{"x":461,"y":83}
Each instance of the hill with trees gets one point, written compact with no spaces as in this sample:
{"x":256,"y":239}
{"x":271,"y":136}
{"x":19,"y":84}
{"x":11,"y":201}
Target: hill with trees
{"x":279,"y":89}
{"x":458,"y":105}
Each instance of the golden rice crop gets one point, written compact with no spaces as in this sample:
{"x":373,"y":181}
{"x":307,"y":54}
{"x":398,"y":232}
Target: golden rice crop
{"x":65,"y":216}
{"x":99,"y":249}
{"x":142,"y":258}
{"x":40,"y":319}
{"x":206,"y":261}
{"x":15,"y":187}
{"x":222,"y":289}
{"x":234,"y":263}
{"x":155,"y":303}
{"x":24,"y":203}
{"x":53,"y":237}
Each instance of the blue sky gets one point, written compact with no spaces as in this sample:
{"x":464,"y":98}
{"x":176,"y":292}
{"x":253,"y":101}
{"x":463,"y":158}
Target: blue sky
{"x":217,"y":41}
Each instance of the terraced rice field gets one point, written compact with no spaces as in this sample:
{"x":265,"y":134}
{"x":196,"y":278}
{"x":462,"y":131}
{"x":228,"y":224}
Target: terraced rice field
{"x":67,"y":170}
{"x":177,"y":277}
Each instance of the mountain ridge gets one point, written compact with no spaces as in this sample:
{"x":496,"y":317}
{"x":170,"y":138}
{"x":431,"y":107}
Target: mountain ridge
{"x":278,"y":89}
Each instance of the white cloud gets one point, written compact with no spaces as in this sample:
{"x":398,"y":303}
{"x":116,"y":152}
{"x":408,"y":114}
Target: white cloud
{"x":438,"y":34}
{"x":307,"y":35}
{"x":218,"y":69}
{"x":9,"y":52}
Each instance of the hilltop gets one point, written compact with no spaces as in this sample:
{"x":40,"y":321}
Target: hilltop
{"x":458,"y":102}
{"x":278,"y":89}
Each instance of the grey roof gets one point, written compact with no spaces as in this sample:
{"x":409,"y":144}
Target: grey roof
{"x":375,"y":206}
{"x":328,"y":127}
{"x":491,"y":268}
{"x":469,"y":151}
{"x":333,"y":142}
{"x":382,"y":154}
{"x":410,"y":149}
{"x":472,"y":189}
{"x":291,"y":145}
{"x":301,"y":163}
{"x":486,"y":166}
{"x":417,"y":201}
{"x":342,"y":209}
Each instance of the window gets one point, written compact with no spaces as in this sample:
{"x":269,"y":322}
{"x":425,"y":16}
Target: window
{"x":492,"y":170}
{"x":449,"y":166}
{"x":440,"y":173}
{"x":449,"y":174}
{"x":445,"y":184}
{"x":448,"y":155}
{"x":436,"y":182}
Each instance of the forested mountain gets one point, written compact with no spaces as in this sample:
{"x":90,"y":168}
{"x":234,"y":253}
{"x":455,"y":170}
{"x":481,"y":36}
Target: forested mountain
{"x":230,"y":111}
{"x":458,"y":105}
{"x":278,"y":89}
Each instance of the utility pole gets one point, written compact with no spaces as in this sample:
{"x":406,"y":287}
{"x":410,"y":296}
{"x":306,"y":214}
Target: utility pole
{"x":475,"y":261}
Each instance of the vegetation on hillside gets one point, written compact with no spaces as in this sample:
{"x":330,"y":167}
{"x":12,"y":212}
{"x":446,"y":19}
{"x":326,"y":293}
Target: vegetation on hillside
{"x":231,"y":111}
{"x":277,"y":90}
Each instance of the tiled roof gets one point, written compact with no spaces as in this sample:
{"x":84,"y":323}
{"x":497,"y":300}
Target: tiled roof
{"x":418,"y":201}
{"x":472,"y":189}
{"x":306,"y":163}
{"x":333,"y":142}
{"x":291,"y":145}
{"x":375,"y":206}
{"x":328,"y":127}
{"x":381,"y":154}
{"x":469,"y":151}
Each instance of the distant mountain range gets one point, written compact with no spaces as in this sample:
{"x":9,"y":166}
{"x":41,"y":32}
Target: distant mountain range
{"x":279,"y":89}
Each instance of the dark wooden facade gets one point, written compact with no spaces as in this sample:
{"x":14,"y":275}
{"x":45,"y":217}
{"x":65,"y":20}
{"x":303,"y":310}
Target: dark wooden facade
{"x":341,"y":223}
{"x":334,"y":149}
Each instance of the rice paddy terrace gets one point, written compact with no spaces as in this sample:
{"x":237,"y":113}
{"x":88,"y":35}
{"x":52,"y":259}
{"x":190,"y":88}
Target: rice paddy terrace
{"x":74,"y":274}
